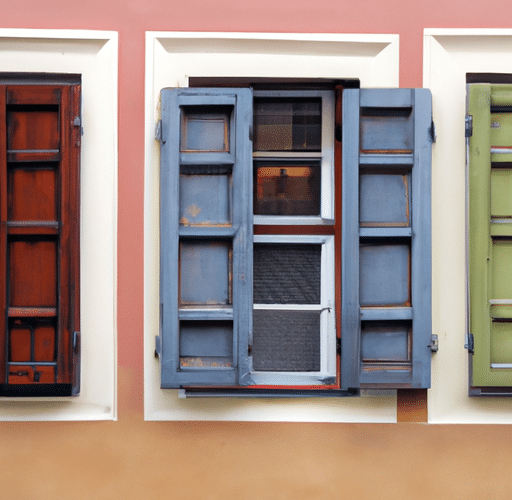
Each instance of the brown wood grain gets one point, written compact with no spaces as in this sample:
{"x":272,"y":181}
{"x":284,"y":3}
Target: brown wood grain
{"x":39,"y":243}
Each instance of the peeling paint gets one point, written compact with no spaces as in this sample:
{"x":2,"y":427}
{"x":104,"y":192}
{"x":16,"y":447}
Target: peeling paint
{"x":194,"y":210}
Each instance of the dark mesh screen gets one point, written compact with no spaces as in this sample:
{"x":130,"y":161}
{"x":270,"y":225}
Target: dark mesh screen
{"x":286,"y":273}
{"x":286,"y":341}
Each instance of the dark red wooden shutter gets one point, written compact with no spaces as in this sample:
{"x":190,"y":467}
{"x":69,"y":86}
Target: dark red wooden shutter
{"x":39,"y":240}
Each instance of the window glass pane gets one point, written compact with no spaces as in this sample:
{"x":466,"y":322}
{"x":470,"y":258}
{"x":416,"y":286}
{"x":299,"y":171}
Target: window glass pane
{"x":287,"y":124}
{"x":286,"y":341}
{"x":286,"y":273}
{"x":287,"y":189}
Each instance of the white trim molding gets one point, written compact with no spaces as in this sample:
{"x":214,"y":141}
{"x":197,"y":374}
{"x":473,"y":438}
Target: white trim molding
{"x":449,"y":54}
{"x":93,"y":55}
{"x":171,"y":59}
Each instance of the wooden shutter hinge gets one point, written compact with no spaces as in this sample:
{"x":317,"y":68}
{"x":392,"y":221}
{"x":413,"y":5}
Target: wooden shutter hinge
{"x":434,"y":343}
{"x":470,"y":343}
{"x":468,"y":129}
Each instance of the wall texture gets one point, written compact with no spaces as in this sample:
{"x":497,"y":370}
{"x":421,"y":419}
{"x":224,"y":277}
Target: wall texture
{"x":131,"y":458}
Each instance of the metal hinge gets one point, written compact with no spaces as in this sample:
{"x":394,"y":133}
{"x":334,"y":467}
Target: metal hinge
{"x":432,"y":132}
{"x":470,"y":343}
{"x":158,"y":131}
{"x":158,"y":346}
{"x":77,"y":122}
{"x":434,"y":343}
{"x":76,"y":341}
{"x":338,"y":345}
{"x":468,"y":130}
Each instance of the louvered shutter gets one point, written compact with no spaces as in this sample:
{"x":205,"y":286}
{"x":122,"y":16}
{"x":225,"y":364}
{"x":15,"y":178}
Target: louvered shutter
{"x":386,"y":252}
{"x":39,"y":239}
{"x":206,"y":237}
{"x":490,"y":236}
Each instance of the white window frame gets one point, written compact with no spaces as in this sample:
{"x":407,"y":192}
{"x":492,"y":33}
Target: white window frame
{"x":325,"y":308}
{"x":326,"y":157}
{"x":171,"y":59}
{"x":93,"y":54}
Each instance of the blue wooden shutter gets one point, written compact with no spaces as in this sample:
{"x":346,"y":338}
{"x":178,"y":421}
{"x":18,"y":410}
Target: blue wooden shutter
{"x":206,"y":237}
{"x":386,"y":238}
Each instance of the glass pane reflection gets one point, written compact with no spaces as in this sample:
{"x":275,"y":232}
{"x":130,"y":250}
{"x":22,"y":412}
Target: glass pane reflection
{"x":287,"y":125}
{"x":287,"y":189}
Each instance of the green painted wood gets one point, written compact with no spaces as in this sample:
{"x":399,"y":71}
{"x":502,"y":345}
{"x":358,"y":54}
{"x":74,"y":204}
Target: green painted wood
{"x":501,"y":129}
{"x":501,"y":95}
{"x":490,"y":237}
{"x":501,"y":192}
{"x":479,"y":216}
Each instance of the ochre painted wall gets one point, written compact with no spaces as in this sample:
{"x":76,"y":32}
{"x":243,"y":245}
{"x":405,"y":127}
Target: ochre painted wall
{"x":131,"y":458}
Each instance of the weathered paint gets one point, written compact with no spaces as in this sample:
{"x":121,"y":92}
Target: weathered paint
{"x":490,"y":246}
{"x":390,"y":267}
{"x":206,"y":233}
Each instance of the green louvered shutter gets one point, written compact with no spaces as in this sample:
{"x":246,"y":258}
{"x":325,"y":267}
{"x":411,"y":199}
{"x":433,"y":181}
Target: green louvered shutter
{"x":490,"y":238}
{"x":206,"y":237}
{"x":386,"y":237}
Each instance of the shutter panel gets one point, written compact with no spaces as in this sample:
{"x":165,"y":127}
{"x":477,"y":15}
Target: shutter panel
{"x":490,"y":237}
{"x":39,"y":239}
{"x":386,"y":253}
{"x":206,"y":237}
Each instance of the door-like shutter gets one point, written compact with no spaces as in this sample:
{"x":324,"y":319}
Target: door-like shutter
{"x":490,"y":236}
{"x":39,"y":239}
{"x":206,"y":237}
{"x":386,"y":252}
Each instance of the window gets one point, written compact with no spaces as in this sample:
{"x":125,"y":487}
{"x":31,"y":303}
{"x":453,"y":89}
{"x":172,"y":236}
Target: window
{"x":490,"y":249}
{"x":250,"y":240}
{"x":39,"y":242}
{"x":293,"y":157}
{"x":66,"y":57}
